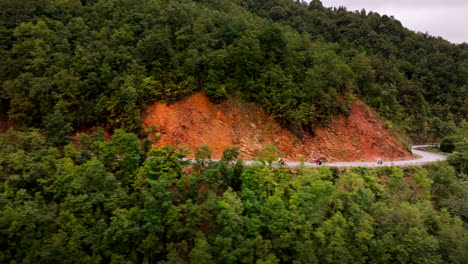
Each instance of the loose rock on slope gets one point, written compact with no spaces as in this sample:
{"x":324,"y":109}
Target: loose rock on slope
{"x":196,"y":121}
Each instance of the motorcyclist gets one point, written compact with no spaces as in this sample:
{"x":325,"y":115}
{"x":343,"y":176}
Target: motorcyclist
{"x":281,"y":161}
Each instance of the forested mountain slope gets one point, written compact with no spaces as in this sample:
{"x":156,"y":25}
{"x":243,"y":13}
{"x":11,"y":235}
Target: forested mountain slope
{"x":72,"y":63}
{"x":115,"y":198}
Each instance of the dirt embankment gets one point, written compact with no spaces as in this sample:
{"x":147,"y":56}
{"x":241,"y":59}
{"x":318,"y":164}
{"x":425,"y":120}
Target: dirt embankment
{"x":195,"y":121}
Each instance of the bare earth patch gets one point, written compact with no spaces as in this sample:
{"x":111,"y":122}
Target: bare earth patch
{"x":196,"y":121}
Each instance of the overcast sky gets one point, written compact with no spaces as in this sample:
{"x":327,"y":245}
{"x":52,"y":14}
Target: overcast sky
{"x":445,"y":18}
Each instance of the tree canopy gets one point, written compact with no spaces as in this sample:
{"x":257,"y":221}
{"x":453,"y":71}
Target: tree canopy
{"x":103,"y":61}
{"x":99,"y":201}
{"x":74,"y":63}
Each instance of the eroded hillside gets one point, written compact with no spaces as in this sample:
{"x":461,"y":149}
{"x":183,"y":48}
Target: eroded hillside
{"x":195,"y":121}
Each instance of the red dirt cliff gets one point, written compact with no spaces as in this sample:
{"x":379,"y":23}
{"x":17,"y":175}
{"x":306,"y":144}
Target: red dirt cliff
{"x":196,"y":121}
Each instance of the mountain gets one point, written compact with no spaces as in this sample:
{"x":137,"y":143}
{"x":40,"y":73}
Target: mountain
{"x":69,"y":64}
{"x":95,"y":88}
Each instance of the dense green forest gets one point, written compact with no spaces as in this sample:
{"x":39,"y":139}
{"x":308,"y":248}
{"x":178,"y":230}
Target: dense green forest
{"x":99,"y":201}
{"x":79,"y":63}
{"x":69,"y":64}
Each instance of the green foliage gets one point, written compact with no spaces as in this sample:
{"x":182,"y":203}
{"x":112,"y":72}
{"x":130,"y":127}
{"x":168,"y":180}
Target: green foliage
{"x":57,"y":129}
{"x":95,"y":202}
{"x":73,"y":63}
{"x":203,"y":155}
{"x":269,"y":154}
{"x":105,"y":61}
{"x":230,"y":154}
{"x":201,"y":252}
{"x":447,"y":145}
{"x":123,"y":154}
{"x":459,"y":159}
{"x":165,"y":161}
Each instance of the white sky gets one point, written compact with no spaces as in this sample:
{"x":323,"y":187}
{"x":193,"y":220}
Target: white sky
{"x":445,"y":18}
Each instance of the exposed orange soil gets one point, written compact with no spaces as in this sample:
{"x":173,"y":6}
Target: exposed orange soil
{"x":89,"y":131}
{"x":5,"y":125}
{"x":196,"y":121}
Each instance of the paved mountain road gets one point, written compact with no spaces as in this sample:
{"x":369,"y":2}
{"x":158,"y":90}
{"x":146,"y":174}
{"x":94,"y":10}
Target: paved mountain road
{"x":425,"y":157}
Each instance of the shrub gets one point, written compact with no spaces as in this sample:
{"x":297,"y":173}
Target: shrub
{"x":447,"y":144}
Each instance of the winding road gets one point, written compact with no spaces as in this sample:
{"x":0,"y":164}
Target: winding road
{"x":425,"y":157}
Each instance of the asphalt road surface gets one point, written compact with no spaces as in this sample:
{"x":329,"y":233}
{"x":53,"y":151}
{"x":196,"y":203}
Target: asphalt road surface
{"x":425,"y":157}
